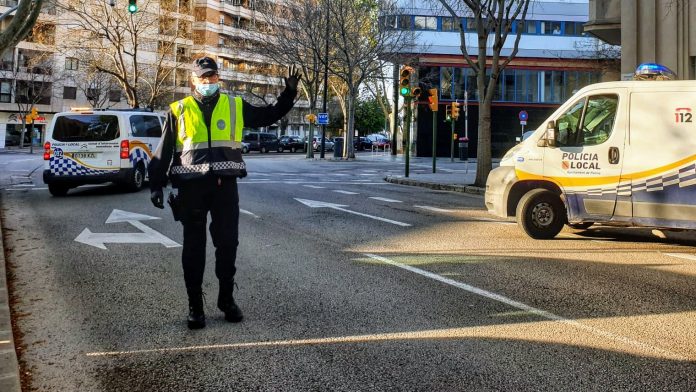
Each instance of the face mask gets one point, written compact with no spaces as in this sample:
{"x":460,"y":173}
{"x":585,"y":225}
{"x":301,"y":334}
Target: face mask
{"x":207,"y":90}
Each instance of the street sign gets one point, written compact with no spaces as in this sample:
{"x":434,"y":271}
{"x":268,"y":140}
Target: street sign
{"x":323,"y":118}
{"x":523,"y":123}
{"x":523,"y":116}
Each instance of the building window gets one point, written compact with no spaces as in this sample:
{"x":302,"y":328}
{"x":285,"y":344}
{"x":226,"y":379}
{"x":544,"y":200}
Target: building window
{"x":5,"y":91}
{"x":552,"y":28}
{"x":69,"y":92}
{"x":527,"y":27}
{"x":446,"y":82}
{"x":404,"y":22}
{"x":470,"y":24}
{"x":71,"y":64}
{"x":573,"y":28}
{"x":115,"y":96}
{"x":92,"y":94}
{"x":426,"y":22}
{"x":508,"y":85}
{"x":450,"y":24}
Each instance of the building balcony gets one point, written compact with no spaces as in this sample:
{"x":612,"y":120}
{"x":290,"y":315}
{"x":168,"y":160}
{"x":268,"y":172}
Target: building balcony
{"x":605,"y":21}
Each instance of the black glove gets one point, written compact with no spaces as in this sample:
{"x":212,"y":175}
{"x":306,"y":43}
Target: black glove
{"x":293,"y":79}
{"x":157,"y":198}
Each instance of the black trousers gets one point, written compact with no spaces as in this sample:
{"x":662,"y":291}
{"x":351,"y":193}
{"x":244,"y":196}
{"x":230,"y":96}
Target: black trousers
{"x":219,"y":197}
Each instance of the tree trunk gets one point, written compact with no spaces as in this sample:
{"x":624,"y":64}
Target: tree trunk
{"x":483,"y":150}
{"x":351,"y":126}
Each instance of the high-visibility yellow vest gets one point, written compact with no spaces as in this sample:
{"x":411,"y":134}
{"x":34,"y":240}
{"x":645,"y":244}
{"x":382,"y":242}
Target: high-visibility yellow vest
{"x":199,"y":150}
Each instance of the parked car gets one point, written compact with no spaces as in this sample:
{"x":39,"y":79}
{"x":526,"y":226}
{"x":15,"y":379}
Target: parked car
{"x":316,"y":144}
{"x":379,"y":141}
{"x":245,"y":147}
{"x":261,"y":141}
{"x":359,"y":144}
{"x":290,"y":143}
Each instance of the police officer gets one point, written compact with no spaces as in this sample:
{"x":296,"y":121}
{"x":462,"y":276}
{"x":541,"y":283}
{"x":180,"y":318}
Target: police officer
{"x":200,"y":152}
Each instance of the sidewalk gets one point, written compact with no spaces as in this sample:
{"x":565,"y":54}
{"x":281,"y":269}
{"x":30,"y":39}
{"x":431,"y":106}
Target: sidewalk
{"x":9,"y":368}
{"x":457,"y":176}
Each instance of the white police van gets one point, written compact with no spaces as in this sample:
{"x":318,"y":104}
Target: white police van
{"x":617,"y":153}
{"x":91,"y":146}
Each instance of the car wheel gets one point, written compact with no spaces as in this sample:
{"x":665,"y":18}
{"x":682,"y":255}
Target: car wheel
{"x":280,"y":149}
{"x":137,"y":180}
{"x":580,"y":226}
{"x":263,"y":150}
{"x":245,"y":150}
{"x":58,"y":190}
{"x":541,"y":214}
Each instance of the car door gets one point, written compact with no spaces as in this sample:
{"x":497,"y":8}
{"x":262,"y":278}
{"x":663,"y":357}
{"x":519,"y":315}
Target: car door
{"x":587,"y":159}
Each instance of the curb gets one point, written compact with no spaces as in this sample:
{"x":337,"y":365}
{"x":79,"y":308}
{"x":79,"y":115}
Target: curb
{"x":469,"y":189}
{"x":9,"y":367}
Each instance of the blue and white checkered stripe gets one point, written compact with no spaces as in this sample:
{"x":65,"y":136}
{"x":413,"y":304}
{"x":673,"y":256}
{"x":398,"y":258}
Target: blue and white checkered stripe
{"x":138,"y":154}
{"x":684,"y":177}
{"x":68,"y":167}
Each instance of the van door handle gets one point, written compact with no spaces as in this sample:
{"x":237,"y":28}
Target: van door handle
{"x":613,"y":155}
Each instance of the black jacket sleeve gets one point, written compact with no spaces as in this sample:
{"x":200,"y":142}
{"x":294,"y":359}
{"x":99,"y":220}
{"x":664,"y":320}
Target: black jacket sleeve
{"x":262,"y":116}
{"x":162,"y":158}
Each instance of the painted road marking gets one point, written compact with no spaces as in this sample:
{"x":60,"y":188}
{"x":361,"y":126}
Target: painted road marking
{"x":24,"y":185}
{"x":243,"y":211}
{"x":385,"y":199}
{"x":39,"y":189}
{"x":339,"y":207}
{"x":681,"y":256}
{"x":526,"y":308}
{"x":433,"y":209}
{"x":314,"y":186}
{"x":346,"y":192}
{"x":147,"y":235}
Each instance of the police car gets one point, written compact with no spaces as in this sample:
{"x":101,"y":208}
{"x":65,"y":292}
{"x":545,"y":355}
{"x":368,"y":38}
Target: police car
{"x":92,"y":146}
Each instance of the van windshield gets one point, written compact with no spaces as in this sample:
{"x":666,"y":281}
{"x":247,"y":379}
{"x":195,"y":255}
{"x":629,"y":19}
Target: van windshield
{"x":86,"y":128}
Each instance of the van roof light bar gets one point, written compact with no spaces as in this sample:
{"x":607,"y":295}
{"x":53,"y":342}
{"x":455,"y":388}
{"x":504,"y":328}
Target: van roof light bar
{"x":653,"y":71}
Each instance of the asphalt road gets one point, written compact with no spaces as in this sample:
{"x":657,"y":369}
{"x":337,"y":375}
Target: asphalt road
{"x":387,"y":288}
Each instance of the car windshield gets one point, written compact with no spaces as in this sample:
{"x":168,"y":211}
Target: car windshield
{"x":86,"y":128}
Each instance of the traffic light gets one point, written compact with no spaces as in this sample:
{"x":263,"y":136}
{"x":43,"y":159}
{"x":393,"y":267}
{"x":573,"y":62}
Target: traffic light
{"x":455,"y":110}
{"x":312,"y":118}
{"x":415,"y":92}
{"x":448,"y":113}
{"x":405,"y":80}
{"x":432,"y":99}
{"x":132,"y":7}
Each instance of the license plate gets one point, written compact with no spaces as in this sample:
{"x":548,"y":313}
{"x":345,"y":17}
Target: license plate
{"x":83,"y":155}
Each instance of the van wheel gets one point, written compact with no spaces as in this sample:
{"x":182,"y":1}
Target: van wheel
{"x":58,"y":190}
{"x":245,"y":150}
{"x":541,"y":214}
{"x":264,"y":150}
{"x":580,"y":226}
{"x":137,"y":180}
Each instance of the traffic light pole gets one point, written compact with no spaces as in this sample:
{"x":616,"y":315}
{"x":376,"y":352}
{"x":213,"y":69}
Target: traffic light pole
{"x":452,"y":142}
{"x":407,"y":135}
{"x":434,"y":141}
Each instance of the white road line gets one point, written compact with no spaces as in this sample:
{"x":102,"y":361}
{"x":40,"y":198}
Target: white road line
{"x":681,"y":256}
{"x":539,"y":312}
{"x":248,"y":213}
{"x":492,"y":221}
{"x":433,"y":209}
{"x":314,"y":186}
{"x":385,"y":199}
{"x":346,"y":192}
{"x":24,"y":185}
{"x":39,"y":189}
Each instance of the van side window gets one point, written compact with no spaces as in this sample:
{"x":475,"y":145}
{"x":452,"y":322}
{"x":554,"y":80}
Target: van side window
{"x":145,"y":126}
{"x":250,"y":137}
{"x":598,"y":121}
{"x":568,"y":126}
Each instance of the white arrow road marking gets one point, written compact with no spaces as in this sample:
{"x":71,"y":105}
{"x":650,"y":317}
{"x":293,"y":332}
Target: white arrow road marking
{"x":248,"y":213}
{"x":314,"y":186}
{"x":339,"y":207}
{"x":433,"y":209}
{"x":385,"y":199}
{"x":346,"y":192}
{"x":147,"y":234}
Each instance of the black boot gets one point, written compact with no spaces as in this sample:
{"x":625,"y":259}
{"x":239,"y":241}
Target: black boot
{"x":196,"y":316}
{"x":226,"y":303}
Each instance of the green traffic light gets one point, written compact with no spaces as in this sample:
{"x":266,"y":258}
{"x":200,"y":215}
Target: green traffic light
{"x":132,"y":7}
{"x":404,"y":91}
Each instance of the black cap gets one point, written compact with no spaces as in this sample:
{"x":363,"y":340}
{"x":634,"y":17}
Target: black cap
{"x":204,"y":65}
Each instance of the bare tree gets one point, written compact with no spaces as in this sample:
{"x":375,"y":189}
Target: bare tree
{"x":140,"y":51}
{"x":299,"y":38}
{"x":493,"y":21}
{"x":27,"y":11}
{"x":362,"y":47}
{"x":96,"y":86}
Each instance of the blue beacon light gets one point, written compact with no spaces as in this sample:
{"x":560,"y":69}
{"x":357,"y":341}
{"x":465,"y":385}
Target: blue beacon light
{"x":653,"y":71}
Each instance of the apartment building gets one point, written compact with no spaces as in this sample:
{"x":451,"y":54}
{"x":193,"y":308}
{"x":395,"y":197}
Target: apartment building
{"x":554,"y":59}
{"x":50,"y":70}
